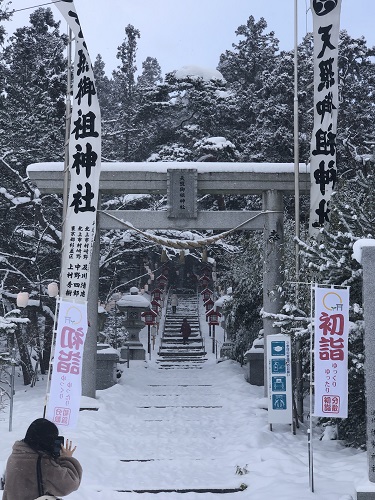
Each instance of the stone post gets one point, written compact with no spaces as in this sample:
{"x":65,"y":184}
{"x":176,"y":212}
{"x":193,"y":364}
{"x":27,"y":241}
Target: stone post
{"x":368,"y":263}
{"x":273,"y":248}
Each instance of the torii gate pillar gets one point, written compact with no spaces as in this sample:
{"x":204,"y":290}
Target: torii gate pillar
{"x":273,"y":243}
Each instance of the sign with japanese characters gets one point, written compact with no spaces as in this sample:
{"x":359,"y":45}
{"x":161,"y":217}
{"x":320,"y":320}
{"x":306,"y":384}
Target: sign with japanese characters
{"x":182,"y":193}
{"x":65,"y":391}
{"x":326,"y":27}
{"x":84,"y":168}
{"x":331,"y":328}
{"x":279,"y":379}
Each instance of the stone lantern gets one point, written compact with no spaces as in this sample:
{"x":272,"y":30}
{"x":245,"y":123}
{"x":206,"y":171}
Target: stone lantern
{"x":133,"y":305}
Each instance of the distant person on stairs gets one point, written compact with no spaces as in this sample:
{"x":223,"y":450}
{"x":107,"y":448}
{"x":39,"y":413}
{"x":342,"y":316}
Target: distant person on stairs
{"x":174,"y":302}
{"x":185,"y":331}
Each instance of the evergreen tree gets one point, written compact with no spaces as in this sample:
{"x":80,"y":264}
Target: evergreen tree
{"x":32,"y":118}
{"x":125,"y":129}
{"x":151,"y":73}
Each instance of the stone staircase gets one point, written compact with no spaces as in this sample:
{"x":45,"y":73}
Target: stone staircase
{"x":172,"y":352}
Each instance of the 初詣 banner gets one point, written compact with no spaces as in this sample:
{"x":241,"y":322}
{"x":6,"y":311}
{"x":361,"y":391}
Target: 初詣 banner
{"x":65,"y":392}
{"x":331,"y":327}
{"x":84,"y":168}
{"x":326,"y":26}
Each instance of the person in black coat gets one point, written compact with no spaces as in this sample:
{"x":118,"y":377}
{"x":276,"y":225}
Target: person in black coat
{"x":185,"y":331}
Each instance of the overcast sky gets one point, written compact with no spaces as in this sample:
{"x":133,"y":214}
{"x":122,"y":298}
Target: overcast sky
{"x":184,"y":32}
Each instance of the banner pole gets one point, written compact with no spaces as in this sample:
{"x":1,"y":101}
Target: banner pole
{"x":310,"y":431}
{"x":50,"y":358}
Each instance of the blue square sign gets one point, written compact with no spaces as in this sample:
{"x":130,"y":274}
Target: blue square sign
{"x":278,"y":348}
{"x":278,"y":384}
{"x":279,"y":402}
{"x":278,"y":365}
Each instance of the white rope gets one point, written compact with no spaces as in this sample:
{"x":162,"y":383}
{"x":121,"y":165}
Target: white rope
{"x":186,"y":244}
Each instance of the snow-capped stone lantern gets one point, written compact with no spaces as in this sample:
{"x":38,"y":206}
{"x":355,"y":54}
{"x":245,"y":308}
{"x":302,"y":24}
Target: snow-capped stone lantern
{"x":133,"y":305}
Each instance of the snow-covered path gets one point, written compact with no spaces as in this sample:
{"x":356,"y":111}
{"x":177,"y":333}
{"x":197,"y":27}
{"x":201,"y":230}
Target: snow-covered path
{"x":192,"y":430}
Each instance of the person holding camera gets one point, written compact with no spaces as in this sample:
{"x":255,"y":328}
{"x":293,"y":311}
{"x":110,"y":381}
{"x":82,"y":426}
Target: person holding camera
{"x":41,"y":465}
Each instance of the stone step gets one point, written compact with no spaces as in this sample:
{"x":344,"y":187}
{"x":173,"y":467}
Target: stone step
{"x":179,"y":340}
{"x":182,"y":354}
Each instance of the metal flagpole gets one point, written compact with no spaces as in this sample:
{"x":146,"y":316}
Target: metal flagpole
{"x":68,"y":112}
{"x":299,"y":377}
{"x":296,"y":142}
{"x":310,"y":430}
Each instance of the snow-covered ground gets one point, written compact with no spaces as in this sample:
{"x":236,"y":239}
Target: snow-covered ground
{"x":191,"y":429}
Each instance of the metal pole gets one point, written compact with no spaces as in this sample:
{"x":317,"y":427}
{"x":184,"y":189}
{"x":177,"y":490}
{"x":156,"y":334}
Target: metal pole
{"x":149,"y":341}
{"x":213,"y":339}
{"x":299,"y":380}
{"x":68,"y":112}
{"x":12,"y":375}
{"x":311,"y":460}
{"x":296,"y":141}
{"x":50,"y":358}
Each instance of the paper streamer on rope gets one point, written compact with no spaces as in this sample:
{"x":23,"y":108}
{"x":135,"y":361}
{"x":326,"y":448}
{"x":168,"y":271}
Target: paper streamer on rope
{"x":326,"y":27}
{"x":84,"y":168}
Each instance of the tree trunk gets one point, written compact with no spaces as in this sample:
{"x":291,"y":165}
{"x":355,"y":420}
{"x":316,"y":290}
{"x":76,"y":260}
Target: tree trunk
{"x":26,"y":365}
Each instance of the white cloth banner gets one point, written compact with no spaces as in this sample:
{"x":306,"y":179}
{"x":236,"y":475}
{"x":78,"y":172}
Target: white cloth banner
{"x":326,"y":27}
{"x":331,"y":327}
{"x":84,"y":168}
{"x":65,"y":391}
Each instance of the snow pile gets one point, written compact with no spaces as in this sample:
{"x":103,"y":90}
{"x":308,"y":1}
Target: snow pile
{"x":194,"y":72}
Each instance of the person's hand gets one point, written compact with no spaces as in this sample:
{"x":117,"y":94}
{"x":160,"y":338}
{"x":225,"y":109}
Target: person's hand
{"x":67,"y":450}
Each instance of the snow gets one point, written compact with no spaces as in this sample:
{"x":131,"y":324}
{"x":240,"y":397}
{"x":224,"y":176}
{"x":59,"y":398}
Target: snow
{"x":358,"y":245}
{"x":191,"y":429}
{"x":194,"y":72}
{"x":163,"y":167}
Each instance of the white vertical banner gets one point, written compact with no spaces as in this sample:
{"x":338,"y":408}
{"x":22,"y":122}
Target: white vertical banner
{"x":84,"y":165}
{"x":65,"y":390}
{"x":84,"y":168}
{"x":326,"y":27}
{"x":279,"y":378}
{"x":331,"y":330}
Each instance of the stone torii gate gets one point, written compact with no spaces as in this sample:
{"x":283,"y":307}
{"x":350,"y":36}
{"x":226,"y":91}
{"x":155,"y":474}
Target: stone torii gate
{"x":269,"y":180}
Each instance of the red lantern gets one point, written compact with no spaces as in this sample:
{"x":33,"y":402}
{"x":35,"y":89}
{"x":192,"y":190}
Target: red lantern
{"x":157,"y":293}
{"x":212,"y":317}
{"x":149,"y":317}
{"x":155,"y":305}
{"x":206,"y":294}
{"x":208,"y":304}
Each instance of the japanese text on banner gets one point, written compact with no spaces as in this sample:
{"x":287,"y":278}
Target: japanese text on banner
{"x":65,"y":391}
{"x":331,"y":326}
{"x":326,"y":26}
{"x":84,"y":167}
